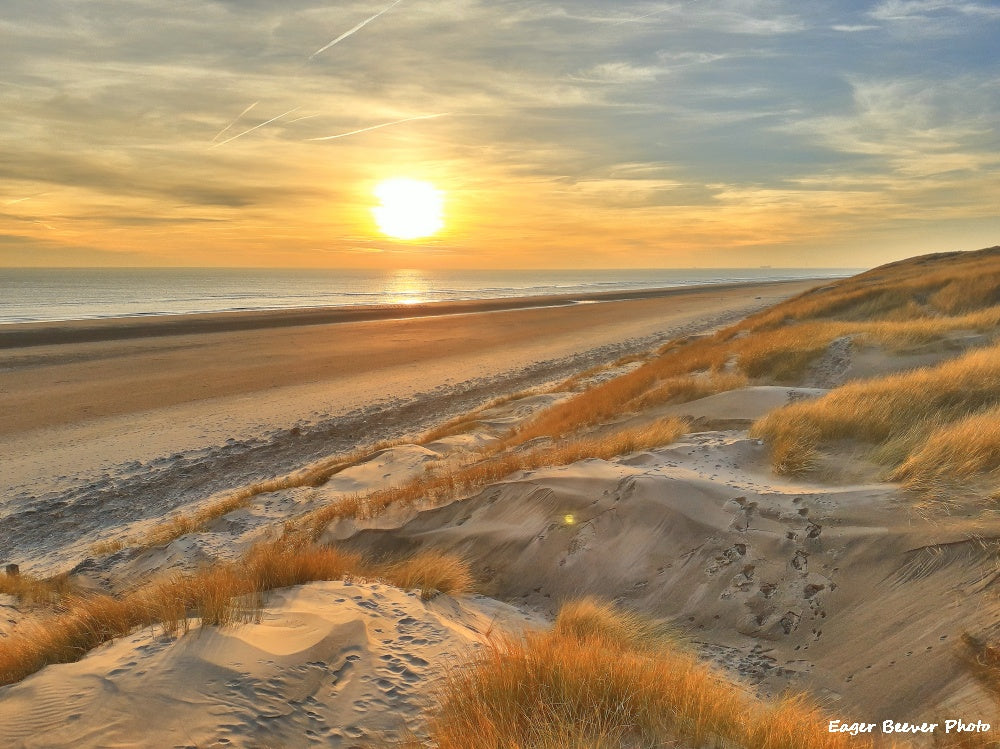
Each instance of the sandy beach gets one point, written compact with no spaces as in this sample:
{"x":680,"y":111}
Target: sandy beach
{"x":179,"y":407}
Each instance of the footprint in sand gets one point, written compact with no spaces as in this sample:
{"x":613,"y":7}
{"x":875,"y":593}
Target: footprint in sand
{"x":726,"y":558}
{"x":790,"y":622}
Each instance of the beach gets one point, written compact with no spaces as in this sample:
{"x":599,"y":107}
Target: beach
{"x":262,"y":531}
{"x":180,"y":406}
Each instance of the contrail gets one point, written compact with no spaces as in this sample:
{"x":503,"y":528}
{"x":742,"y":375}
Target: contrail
{"x":255,"y":127}
{"x":238,"y":118}
{"x":304,"y":117}
{"x":356,"y":29}
{"x":28,"y":197}
{"x":384,"y":124}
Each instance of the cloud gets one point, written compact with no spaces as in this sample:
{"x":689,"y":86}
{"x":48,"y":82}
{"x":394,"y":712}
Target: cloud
{"x":574,"y":126}
{"x":902,"y":10}
{"x":933,"y":18}
{"x":915,"y":127}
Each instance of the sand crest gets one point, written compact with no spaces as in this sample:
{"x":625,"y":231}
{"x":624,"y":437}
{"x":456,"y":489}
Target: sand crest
{"x":333,"y":663}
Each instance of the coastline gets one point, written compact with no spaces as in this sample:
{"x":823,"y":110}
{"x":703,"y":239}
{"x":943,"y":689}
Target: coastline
{"x":88,"y":427}
{"x":93,"y":330}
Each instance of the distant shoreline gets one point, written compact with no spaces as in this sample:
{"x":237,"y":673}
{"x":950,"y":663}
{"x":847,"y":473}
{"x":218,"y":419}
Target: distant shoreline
{"x":55,"y":332}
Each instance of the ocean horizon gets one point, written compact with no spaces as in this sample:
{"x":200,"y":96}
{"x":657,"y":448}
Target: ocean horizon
{"x":62,"y":294}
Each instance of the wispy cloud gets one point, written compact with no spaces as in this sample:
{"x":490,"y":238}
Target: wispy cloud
{"x":933,"y":18}
{"x":644,"y":16}
{"x":896,"y":10}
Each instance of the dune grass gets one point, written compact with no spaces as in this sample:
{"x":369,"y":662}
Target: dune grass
{"x":431,"y":571}
{"x":183,"y":523}
{"x":953,"y":454}
{"x":31,"y":590}
{"x":983,"y":659}
{"x":621,"y":395}
{"x":439,"y":488}
{"x":930,"y":286}
{"x":683,"y":388}
{"x":219,"y":595}
{"x":601,"y":678}
{"x":891,"y":307}
{"x":467,"y":421}
{"x":932,"y":425}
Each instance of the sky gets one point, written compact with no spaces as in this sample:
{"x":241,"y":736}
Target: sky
{"x":585,"y":134}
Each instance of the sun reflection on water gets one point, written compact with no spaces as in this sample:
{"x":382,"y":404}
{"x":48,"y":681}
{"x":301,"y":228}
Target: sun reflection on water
{"x":407,"y":286}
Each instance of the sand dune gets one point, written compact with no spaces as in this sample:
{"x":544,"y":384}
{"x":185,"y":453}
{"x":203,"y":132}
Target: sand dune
{"x":780,"y":580}
{"x":336,"y":663}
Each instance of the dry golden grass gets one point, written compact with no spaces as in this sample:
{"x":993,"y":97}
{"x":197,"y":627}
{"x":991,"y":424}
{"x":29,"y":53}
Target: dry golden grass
{"x":684,"y":388}
{"x":953,"y":454}
{"x":983,"y":659}
{"x":31,"y":590}
{"x":602,"y":679}
{"x":66,"y":637}
{"x":598,"y":404}
{"x":438,"y":488}
{"x":902,"y":413}
{"x":106,"y":547}
{"x":783,"y":354}
{"x":579,"y":380}
{"x":590,"y":617}
{"x":464,"y":422}
{"x":219,"y":595}
{"x":181,"y":524}
{"x":967,"y":293}
{"x":433,"y":572}
{"x":928,"y":286}
{"x":763,"y":349}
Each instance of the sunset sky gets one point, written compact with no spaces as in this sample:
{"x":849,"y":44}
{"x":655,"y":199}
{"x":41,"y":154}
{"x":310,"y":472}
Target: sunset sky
{"x":706,"y":133}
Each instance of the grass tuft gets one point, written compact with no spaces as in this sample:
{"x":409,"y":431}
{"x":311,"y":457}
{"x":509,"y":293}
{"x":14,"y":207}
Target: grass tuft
{"x":605,"y":679}
{"x":224,"y":594}
{"x":934,"y":425}
{"x":438,"y":488}
{"x":31,"y":590}
{"x":433,"y":572}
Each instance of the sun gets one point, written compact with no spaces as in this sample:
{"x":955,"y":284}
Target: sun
{"x":410,"y":209}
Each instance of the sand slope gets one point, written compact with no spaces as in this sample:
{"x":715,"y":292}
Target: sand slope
{"x":332,"y":664}
{"x":779,"y":580}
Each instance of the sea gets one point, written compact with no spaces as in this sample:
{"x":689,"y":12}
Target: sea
{"x":42,"y":294}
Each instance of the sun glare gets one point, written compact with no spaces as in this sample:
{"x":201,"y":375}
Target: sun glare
{"x":410,"y":209}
